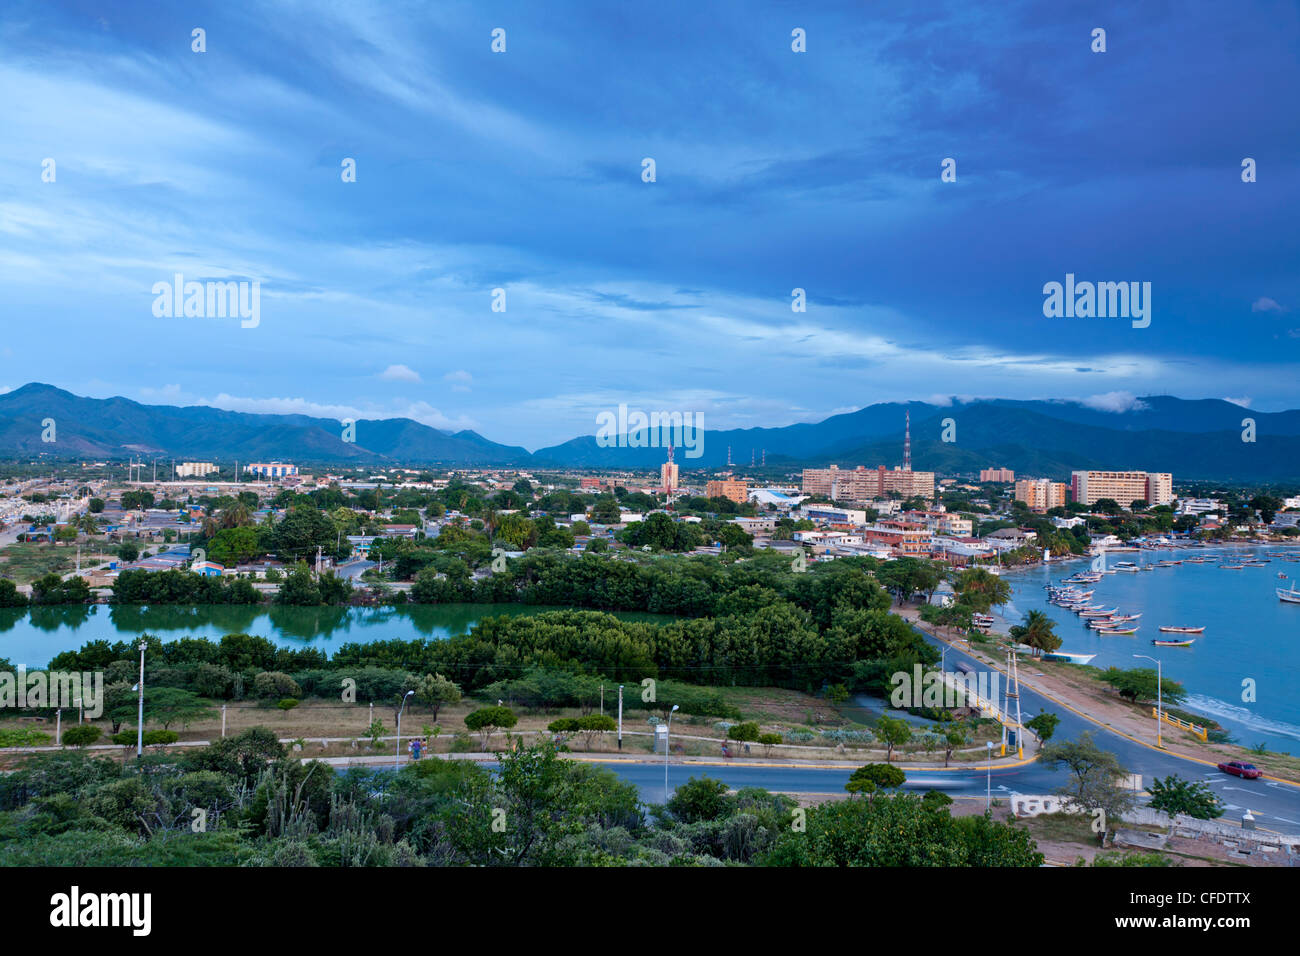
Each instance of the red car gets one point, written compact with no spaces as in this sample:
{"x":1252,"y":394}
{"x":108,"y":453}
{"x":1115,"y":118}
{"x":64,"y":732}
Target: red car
{"x":1246,"y":771}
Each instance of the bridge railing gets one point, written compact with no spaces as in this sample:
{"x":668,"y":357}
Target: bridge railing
{"x":1195,"y":730}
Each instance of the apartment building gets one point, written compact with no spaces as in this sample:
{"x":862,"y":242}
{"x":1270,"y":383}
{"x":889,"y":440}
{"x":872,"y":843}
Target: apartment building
{"x":900,"y":537}
{"x":997,"y":474}
{"x":668,"y":473}
{"x":1123,"y":487}
{"x":195,"y":469}
{"x":865,"y":484}
{"x":1040,"y":494}
{"x":733,"y":489}
{"x":272,"y":469}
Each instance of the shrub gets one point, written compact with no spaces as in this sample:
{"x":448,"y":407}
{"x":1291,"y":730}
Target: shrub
{"x":23,"y":737}
{"x":82,"y":735}
{"x":873,"y":777}
{"x":270,"y":685}
{"x":154,"y":738}
{"x":487,"y":719}
{"x":289,"y":703}
{"x":747,"y":732}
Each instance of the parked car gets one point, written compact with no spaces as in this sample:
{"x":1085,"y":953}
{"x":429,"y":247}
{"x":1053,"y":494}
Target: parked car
{"x":1247,"y":771}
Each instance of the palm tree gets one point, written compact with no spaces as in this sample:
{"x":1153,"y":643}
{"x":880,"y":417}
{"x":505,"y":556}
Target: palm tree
{"x":1038,"y":632}
{"x":236,"y":516}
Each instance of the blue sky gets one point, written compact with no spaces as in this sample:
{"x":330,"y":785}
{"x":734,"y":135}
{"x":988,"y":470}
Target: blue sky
{"x":522,"y":170}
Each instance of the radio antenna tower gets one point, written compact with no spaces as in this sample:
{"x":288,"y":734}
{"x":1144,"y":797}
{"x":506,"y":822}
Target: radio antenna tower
{"x":1013,"y":694}
{"x":907,"y":441}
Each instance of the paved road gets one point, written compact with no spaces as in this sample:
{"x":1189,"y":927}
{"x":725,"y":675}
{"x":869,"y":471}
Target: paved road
{"x":1275,"y":805}
{"x":353,"y":569}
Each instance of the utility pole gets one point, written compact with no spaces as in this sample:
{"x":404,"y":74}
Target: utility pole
{"x":1013,"y":692}
{"x":1160,"y":710}
{"x":620,"y":716}
{"x":139,"y":730}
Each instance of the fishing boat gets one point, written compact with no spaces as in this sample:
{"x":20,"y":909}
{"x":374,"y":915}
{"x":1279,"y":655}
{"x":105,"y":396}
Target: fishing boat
{"x":1289,"y":597}
{"x":1187,"y":643}
{"x":1070,"y":657}
{"x":1121,"y":630}
{"x":1182,"y":630}
{"x":1231,"y":567}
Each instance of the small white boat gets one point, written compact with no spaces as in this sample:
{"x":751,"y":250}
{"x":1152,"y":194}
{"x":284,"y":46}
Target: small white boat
{"x":1289,"y":597}
{"x":1070,"y":657}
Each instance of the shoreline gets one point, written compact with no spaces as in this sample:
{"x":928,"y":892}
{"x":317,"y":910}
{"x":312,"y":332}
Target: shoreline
{"x":1087,"y":697}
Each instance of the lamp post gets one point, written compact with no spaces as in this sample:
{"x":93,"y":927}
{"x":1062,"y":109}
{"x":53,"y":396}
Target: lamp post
{"x":397,"y":757}
{"x":988,"y":786}
{"x":1160,"y":711}
{"x":139,"y":729}
{"x":667,"y":735}
{"x":620,"y":716}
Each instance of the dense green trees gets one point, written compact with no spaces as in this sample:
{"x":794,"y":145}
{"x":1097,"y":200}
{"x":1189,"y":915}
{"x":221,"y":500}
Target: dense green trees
{"x":181,"y":587}
{"x":900,"y":830}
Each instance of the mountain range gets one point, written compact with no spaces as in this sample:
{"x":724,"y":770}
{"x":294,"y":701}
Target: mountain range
{"x":1191,"y":438}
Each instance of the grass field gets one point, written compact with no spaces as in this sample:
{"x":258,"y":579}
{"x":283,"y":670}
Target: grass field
{"x":23,"y":562}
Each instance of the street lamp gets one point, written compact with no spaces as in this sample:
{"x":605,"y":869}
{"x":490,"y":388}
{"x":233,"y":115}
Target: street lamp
{"x":397,"y":757}
{"x":139,"y":729}
{"x":667,"y":734}
{"x":988,"y":786}
{"x":1160,"y":711}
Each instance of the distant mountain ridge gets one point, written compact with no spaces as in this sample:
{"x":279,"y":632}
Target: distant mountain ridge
{"x":1191,"y":438}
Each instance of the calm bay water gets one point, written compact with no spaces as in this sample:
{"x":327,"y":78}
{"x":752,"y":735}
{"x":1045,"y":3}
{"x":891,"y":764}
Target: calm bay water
{"x":32,"y":637}
{"x":1249,"y":633}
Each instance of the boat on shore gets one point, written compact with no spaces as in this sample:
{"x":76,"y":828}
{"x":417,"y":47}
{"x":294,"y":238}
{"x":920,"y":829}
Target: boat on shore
{"x":1187,"y":643}
{"x":1183,"y":630}
{"x":1069,"y":657}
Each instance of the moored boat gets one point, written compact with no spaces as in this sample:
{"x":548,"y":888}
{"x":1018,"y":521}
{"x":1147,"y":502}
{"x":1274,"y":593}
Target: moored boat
{"x":1070,"y":657}
{"x":1182,"y":630}
{"x":1187,"y":643}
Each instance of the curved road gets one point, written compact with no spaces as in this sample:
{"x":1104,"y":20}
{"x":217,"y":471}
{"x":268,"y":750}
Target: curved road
{"x":1276,"y":806}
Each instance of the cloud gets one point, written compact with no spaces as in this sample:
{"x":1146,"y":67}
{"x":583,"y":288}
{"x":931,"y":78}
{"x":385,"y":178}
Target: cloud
{"x":460,"y":380}
{"x":1244,"y":401}
{"x":1117,"y":402}
{"x":399,"y":373}
{"x":1265,"y":304}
